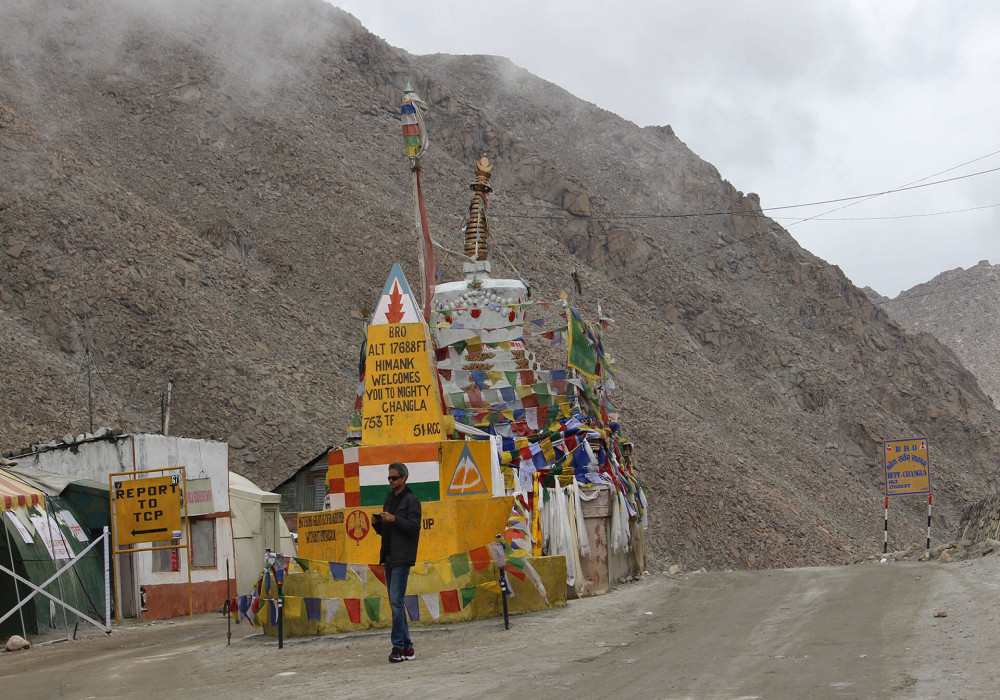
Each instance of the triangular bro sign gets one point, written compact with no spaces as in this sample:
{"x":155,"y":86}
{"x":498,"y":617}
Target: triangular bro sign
{"x":467,"y":479}
{"x":397,"y":304}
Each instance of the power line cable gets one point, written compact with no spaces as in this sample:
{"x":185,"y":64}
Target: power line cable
{"x":905,"y":184}
{"x":891,"y":218}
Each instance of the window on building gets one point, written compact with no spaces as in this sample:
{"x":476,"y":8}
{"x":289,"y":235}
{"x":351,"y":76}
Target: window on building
{"x":287,"y":493}
{"x":166,"y":559}
{"x":203,"y":543}
{"x":317,"y":490}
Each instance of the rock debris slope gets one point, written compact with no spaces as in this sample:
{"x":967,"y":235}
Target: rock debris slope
{"x":211,"y":192}
{"x":959,"y":308}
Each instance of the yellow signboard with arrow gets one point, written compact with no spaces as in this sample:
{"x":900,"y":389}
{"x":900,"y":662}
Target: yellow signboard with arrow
{"x":147,"y":510}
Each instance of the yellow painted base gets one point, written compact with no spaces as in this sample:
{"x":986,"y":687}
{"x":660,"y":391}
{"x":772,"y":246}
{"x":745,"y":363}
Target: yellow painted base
{"x":449,"y":526}
{"x":424,"y":579}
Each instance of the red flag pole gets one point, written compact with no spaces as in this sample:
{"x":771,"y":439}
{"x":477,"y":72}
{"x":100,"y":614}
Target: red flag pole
{"x":415,"y":143}
{"x":429,"y":270}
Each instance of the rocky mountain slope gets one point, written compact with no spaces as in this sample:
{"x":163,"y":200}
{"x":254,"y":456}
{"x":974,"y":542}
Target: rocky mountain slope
{"x":959,"y":308}
{"x":215,"y":192}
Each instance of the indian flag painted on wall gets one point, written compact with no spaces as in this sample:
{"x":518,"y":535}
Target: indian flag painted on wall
{"x":422,"y":461}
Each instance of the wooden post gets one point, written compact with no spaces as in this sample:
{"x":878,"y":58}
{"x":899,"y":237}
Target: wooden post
{"x":165,"y":408}
{"x":90,"y":391}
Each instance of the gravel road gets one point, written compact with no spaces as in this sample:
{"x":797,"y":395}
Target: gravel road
{"x":864,"y":631}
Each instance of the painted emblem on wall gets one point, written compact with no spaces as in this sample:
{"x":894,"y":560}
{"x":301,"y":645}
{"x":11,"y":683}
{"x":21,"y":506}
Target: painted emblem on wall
{"x":467,"y":479}
{"x":357,"y":525}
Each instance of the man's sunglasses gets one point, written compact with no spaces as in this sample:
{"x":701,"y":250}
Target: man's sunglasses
{"x":395,"y":478}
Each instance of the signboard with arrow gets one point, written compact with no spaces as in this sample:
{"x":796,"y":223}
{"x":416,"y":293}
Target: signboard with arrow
{"x":147,"y":510}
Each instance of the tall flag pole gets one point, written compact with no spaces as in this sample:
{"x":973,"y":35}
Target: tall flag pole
{"x":415,"y":144}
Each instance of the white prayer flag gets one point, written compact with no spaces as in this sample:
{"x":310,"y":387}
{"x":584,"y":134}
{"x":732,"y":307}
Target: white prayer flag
{"x":330,"y":608}
{"x":433,"y":603}
{"x":361,"y":571}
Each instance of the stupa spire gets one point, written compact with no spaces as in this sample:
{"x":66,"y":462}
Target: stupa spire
{"x":477,"y":232}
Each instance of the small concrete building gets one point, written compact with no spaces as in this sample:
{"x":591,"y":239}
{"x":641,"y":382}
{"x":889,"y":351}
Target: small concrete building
{"x":257,"y":526}
{"x":158,"y":581}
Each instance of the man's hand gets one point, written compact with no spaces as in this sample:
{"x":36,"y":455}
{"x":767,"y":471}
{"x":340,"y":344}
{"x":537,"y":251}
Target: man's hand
{"x":388,"y":517}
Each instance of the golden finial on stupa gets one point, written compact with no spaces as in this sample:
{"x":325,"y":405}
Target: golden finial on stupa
{"x":484,"y":170}
{"x":477,"y":227}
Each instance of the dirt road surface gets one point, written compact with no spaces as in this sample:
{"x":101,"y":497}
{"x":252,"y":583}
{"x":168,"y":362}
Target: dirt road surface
{"x":865,"y":631}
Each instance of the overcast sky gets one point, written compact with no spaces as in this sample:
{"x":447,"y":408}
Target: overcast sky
{"x":797,"y":101}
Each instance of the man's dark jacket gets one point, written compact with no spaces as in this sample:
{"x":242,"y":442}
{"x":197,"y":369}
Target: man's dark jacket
{"x":399,"y":539}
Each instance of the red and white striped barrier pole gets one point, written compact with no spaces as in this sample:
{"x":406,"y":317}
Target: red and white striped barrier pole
{"x":930,"y":505}
{"x":885,"y":528}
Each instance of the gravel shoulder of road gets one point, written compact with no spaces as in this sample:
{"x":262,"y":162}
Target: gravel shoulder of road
{"x":865,"y":631}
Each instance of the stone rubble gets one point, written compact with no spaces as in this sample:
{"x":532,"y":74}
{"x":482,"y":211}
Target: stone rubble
{"x":17,"y":643}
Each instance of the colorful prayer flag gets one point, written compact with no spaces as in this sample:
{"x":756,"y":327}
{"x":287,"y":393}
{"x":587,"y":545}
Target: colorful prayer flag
{"x":330,"y":608}
{"x":338,"y":571}
{"x":468,"y":593}
{"x":480,"y":558}
{"x":314,"y":608}
{"x":373,"y":606}
{"x":433,"y":604}
{"x":459,"y":564}
{"x":353,"y":606}
{"x":581,"y":353}
{"x":412,"y":605}
{"x":449,"y":601}
{"x":413,"y":143}
{"x":379,"y":572}
{"x":361,"y":571}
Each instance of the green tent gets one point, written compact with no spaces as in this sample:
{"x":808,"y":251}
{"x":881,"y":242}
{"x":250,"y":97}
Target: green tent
{"x":57,"y":531}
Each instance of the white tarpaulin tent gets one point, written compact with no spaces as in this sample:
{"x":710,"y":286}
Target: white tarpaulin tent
{"x":257,"y":525}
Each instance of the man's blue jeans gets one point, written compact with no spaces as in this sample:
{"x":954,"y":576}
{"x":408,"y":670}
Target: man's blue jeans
{"x":396,"y":578}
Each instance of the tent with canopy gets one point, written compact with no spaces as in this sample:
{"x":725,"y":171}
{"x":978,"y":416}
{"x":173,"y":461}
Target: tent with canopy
{"x":42,"y":532}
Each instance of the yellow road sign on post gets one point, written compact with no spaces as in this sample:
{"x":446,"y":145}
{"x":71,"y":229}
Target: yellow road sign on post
{"x":907,"y":467}
{"x":147,"y":510}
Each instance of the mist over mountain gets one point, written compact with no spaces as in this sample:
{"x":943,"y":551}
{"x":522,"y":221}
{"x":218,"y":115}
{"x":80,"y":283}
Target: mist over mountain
{"x":214,"y":193}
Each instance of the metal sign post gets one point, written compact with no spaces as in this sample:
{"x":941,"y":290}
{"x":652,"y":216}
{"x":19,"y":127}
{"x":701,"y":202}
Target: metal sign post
{"x":272,"y":565}
{"x":107,"y":577}
{"x":930,"y":506}
{"x":229,"y":613}
{"x":885,"y":525}
{"x":504,"y":590}
{"x":149,"y":510}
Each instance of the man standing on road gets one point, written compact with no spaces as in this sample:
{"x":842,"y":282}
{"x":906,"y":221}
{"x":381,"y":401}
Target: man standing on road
{"x":399,"y":526}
